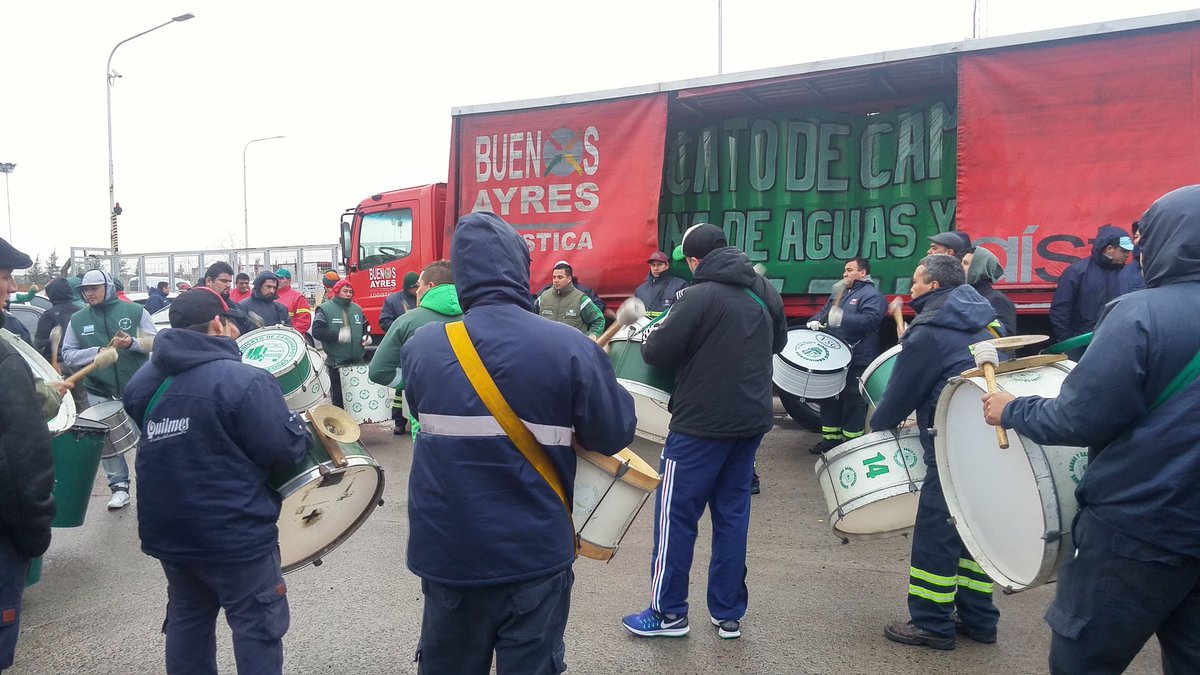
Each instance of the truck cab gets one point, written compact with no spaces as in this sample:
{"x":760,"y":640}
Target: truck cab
{"x":388,"y":235}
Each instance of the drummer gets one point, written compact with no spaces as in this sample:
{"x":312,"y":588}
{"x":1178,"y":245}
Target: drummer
{"x":342,"y":328}
{"x":1132,"y":400}
{"x":213,"y":430}
{"x":108,"y":322}
{"x":943,"y":577}
{"x":855,"y":320}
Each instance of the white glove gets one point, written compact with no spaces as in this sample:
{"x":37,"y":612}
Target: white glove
{"x":813,"y":325}
{"x":835,"y":317}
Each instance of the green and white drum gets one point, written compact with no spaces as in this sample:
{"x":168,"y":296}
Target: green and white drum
{"x":874,"y":380}
{"x":872,"y":483}
{"x":1013,"y":508}
{"x":813,"y":365}
{"x":42,"y":370}
{"x":366,"y":401}
{"x":283,"y":352}
{"x":651,"y":387}
{"x":323,"y":504}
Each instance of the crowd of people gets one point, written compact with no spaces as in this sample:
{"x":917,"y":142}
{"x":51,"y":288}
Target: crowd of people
{"x":457,"y":342}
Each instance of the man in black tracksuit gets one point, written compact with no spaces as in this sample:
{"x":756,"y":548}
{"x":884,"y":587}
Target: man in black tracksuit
{"x":719,"y":337}
{"x":844,"y":417}
{"x":1087,"y":285}
{"x":262,"y":307}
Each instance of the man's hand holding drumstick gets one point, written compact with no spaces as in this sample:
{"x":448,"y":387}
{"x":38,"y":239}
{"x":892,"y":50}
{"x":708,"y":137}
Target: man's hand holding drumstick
{"x":993,"y":406}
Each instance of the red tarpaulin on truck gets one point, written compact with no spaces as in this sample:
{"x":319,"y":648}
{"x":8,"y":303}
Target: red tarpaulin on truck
{"x":579,"y":182}
{"x":1055,"y":141}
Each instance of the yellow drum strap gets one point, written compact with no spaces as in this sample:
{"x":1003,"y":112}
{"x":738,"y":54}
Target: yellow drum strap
{"x":486,"y":388}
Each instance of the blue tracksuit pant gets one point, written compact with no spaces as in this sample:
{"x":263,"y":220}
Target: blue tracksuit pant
{"x":14,"y":567}
{"x":943,"y":576}
{"x":1113,"y":594}
{"x":254,"y":598}
{"x":698,"y":472}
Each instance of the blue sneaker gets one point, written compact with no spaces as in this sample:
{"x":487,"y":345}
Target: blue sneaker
{"x":653,"y":624}
{"x":729,"y":629}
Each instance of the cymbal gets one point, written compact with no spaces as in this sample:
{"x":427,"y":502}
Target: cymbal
{"x":1018,"y":341}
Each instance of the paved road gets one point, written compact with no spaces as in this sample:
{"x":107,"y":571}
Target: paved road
{"x":816,"y":606}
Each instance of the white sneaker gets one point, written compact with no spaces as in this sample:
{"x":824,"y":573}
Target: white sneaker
{"x":120,"y":500}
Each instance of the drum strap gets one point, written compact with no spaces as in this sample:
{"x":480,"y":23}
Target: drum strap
{"x":486,"y":388}
{"x":1185,"y":377}
{"x":158,"y":394}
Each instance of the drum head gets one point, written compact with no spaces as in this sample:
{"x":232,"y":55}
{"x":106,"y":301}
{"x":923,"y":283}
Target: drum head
{"x":815,"y":352}
{"x":1003,"y":501}
{"x":875,"y":378}
{"x":320,"y":514}
{"x":275,"y":349}
{"x":42,"y":370}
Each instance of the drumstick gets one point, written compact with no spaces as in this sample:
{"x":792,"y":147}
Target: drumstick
{"x":55,"y":343}
{"x":255,"y":318}
{"x":104,"y":358}
{"x":835,"y":309}
{"x":627,"y":314}
{"x":897,"y":310}
{"x":987,"y":358}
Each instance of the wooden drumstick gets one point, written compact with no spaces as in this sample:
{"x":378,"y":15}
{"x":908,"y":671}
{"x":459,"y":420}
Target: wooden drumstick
{"x":55,"y":343}
{"x":627,"y":314}
{"x":987,"y":359}
{"x":897,"y":310}
{"x":104,"y":358}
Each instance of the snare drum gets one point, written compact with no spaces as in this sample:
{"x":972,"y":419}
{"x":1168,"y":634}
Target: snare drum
{"x":42,"y":370}
{"x":323,"y":504}
{"x":1013,"y":508}
{"x":651,"y":387}
{"x":123,"y":434}
{"x":871,"y":484}
{"x":366,"y":401}
{"x":813,"y":365}
{"x":283,"y":352}
{"x":609,"y":493}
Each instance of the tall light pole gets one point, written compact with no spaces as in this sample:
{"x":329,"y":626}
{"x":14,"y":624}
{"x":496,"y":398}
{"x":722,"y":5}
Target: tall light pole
{"x":245,"y":201}
{"x":7,"y":168}
{"x":109,"y":75}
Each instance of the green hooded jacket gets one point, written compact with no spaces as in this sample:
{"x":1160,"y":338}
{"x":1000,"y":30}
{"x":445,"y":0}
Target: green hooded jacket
{"x":95,"y":326}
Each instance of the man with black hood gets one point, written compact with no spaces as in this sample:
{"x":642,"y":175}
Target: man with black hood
{"x":26,"y":502}
{"x":213,"y":432}
{"x":1132,"y":400}
{"x":262,"y":307}
{"x":943,"y":577}
{"x":62,"y":298}
{"x":983,"y":269}
{"x":1086,"y":286}
{"x":489,"y":536}
{"x":1131,"y":275}
{"x":719,"y":338}
{"x":108,"y":323}
{"x":396,"y":304}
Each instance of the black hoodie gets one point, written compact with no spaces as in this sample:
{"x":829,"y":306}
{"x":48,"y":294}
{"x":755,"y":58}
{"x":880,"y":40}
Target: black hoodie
{"x":1086,"y":287}
{"x":63,"y":296}
{"x":268,"y":310}
{"x":719,"y":340}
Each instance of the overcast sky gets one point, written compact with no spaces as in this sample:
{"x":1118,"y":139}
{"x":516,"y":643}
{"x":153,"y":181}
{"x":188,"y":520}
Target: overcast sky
{"x":363,"y":91}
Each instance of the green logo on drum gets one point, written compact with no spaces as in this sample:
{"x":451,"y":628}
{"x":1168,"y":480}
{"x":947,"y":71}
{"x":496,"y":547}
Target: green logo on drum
{"x":1026,"y":376}
{"x":812,"y":352}
{"x":1077,"y":466}
{"x":848,"y":477}
{"x":905,"y":457}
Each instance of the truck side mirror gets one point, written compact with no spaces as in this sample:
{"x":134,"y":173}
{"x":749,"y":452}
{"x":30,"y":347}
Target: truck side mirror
{"x":346,"y":245}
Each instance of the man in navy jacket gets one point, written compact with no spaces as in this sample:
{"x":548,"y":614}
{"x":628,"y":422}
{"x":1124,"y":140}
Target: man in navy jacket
{"x":943,"y":577}
{"x":490,"y":539}
{"x":1135,"y":571}
{"x":213,"y":430}
{"x":855,"y":322}
{"x":1086,"y":286}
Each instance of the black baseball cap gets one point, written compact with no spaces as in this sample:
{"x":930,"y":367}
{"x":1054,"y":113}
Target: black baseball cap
{"x":700,"y":240}
{"x":11,"y":258}
{"x":198,"y":305}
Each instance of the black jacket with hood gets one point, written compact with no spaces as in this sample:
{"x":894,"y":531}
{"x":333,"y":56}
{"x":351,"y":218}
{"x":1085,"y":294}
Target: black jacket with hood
{"x":1085,"y":287}
{"x":1144,"y":461}
{"x":63,"y":296}
{"x":719,"y":340}
{"x":266,"y":309}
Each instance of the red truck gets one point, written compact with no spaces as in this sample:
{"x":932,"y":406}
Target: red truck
{"x":1027,"y":143}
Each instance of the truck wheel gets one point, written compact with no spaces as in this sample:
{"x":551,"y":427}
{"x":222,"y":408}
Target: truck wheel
{"x":805,"y":413}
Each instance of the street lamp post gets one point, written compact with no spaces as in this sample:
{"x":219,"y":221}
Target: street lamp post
{"x":110,"y":76}
{"x":7,"y":168}
{"x":245,"y":201}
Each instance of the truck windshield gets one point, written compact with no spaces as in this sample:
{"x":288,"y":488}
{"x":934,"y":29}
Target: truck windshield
{"x":384,"y":237}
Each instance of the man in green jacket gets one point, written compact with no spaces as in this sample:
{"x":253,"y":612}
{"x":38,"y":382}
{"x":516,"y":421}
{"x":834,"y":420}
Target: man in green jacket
{"x":342,"y":328}
{"x":437,"y":302}
{"x":105,"y":323}
{"x":564,"y":303}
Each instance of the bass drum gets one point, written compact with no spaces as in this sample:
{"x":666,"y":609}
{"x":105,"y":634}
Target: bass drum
{"x":1013,"y":508}
{"x":64,"y":417}
{"x":324,"y":503}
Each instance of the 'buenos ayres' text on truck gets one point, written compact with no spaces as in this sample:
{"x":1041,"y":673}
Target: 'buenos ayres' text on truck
{"x":1027,"y":143}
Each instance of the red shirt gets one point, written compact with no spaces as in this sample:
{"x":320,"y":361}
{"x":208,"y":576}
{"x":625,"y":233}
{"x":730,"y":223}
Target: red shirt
{"x":298,"y":310}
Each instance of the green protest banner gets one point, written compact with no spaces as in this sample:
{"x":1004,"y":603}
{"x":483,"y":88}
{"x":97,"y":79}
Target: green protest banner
{"x":801,"y":193}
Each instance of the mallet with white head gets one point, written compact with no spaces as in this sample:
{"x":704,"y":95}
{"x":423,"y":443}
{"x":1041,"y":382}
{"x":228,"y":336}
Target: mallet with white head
{"x":987,"y":359}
